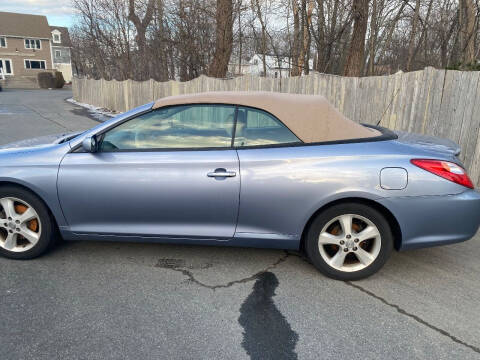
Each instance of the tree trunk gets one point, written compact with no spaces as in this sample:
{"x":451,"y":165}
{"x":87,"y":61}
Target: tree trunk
{"x":141,"y":39}
{"x":162,"y":49}
{"x":224,"y":39}
{"x":413,"y":33}
{"x":239,"y":10}
{"x":304,"y":55}
{"x":320,"y":40}
{"x":332,"y":37}
{"x":467,"y":12}
{"x":182,"y":48}
{"x":258,"y":11}
{"x":445,"y":39}
{"x":356,"y":51}
{"x":373,"y":35}
{"x":297,"y":38}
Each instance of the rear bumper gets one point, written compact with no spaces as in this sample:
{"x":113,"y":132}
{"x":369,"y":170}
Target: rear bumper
{"x":435,"y":220}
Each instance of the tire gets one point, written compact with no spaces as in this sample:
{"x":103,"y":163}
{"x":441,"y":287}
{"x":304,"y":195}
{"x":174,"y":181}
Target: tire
{"x":41,"y":227}
{"x":327,"y":242}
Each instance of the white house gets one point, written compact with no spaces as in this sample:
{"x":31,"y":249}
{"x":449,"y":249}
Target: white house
{"x":277,"y":67}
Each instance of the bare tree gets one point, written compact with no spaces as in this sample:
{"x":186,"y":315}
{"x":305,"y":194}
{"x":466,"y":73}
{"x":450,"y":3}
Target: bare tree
{"x":355,"y":59}
{"x":413,"y":34}
{"x":304,"y":56}
{"x":331,"y":33}
{"x":141,"y":27}
{"x":466,"y":16}
{"x":182,"y":39}
{"x":297,"y":38}
{"x":160,"y":46}
{"x":372,"y":40}
{"x":258,"y":11}
{"x":391,"y":28}
{"x":224,"y":39}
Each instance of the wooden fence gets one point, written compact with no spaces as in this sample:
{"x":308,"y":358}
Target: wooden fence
{"x":443,"y":103}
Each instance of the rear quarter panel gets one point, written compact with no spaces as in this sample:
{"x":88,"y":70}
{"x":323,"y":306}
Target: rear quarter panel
{"x":281,"y":188}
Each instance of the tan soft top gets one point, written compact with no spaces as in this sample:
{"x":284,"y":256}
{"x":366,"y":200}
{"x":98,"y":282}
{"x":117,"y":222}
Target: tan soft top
{"x":310,"y":117}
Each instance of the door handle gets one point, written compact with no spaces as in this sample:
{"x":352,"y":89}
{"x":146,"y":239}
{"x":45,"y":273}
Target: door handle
{"x":222,"y":173}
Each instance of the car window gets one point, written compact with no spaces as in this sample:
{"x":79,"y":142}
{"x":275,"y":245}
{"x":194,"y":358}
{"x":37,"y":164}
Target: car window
{"x":184,"y":126}
{"x":256,"y":127}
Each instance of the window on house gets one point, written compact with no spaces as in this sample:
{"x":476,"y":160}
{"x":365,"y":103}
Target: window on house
{"x":3,"y":42}
{"x":255,"y":62}
{"x":58,"y":53}
{"x":35,"y":64}
{"x":32,"y":44}
{"x":6,"y":66}
{"x":56,"y":38}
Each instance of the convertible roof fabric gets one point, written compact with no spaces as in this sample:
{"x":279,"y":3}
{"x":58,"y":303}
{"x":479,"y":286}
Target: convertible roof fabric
{"x":310,"y":117}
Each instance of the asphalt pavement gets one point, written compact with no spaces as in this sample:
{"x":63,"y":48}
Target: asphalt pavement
{"x":102,"y":300}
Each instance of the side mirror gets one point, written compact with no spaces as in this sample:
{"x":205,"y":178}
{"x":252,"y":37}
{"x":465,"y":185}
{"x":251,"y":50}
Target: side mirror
{"x":90,"y":144}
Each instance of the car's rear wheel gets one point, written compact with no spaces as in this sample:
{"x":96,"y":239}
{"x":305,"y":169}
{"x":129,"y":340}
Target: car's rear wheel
{"x":26,"y":227}
{"x":349,"y":241}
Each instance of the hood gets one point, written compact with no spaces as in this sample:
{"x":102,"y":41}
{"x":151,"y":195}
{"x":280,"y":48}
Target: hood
{"x":428,"y":142}
{"x":40,"y":141}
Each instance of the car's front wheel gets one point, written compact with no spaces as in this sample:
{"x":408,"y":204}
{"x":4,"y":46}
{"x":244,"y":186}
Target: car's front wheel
{"x":26,"y":227}
{"x":349,"y":241}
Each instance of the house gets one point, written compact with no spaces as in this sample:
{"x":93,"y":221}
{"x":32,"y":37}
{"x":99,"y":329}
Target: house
{"x":26,"y":49}
{"x":237,"y":69}
{"x":61,"y":55}
{"x":277,"y":66}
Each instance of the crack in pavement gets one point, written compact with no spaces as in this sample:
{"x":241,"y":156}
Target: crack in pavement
{"x":45,"y":117}
{"x":414,"y":317}
{"x":192,"y":278}
{"x":282,"y":259}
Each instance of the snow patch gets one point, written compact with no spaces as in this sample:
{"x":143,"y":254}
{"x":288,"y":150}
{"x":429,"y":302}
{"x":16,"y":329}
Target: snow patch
{"x":98,"y":113}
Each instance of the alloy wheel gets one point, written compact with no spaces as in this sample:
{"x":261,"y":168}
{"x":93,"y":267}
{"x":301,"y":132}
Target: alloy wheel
{"x":20,"y":225}
{"x":349,"y":242}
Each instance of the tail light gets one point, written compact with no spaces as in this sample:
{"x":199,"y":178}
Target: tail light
{"x":445,"y":169}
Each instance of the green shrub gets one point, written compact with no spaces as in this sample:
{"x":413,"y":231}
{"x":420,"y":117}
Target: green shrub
{"x":46,"y":80}
{"x":59,"y":80}
{"x":475,"y":66}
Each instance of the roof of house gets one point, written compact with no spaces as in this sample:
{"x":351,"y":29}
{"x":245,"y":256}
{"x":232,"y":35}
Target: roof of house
{"x":64,"y":36}
{"x":24,"y":25}
{"x":310,"y":117}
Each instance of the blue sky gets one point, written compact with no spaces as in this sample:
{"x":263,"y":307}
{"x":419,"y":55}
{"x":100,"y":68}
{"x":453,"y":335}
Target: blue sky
{"x":58,"y":12}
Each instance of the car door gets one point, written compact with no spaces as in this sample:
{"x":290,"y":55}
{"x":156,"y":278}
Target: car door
{"x":273,"y":193}
{"x":168,"y":173}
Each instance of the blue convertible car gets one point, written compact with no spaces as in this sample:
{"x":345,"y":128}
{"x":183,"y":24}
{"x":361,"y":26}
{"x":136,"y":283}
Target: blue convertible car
{"x":240,"y":169}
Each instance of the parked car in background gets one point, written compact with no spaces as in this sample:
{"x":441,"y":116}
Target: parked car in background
{"x":240,"y":169}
